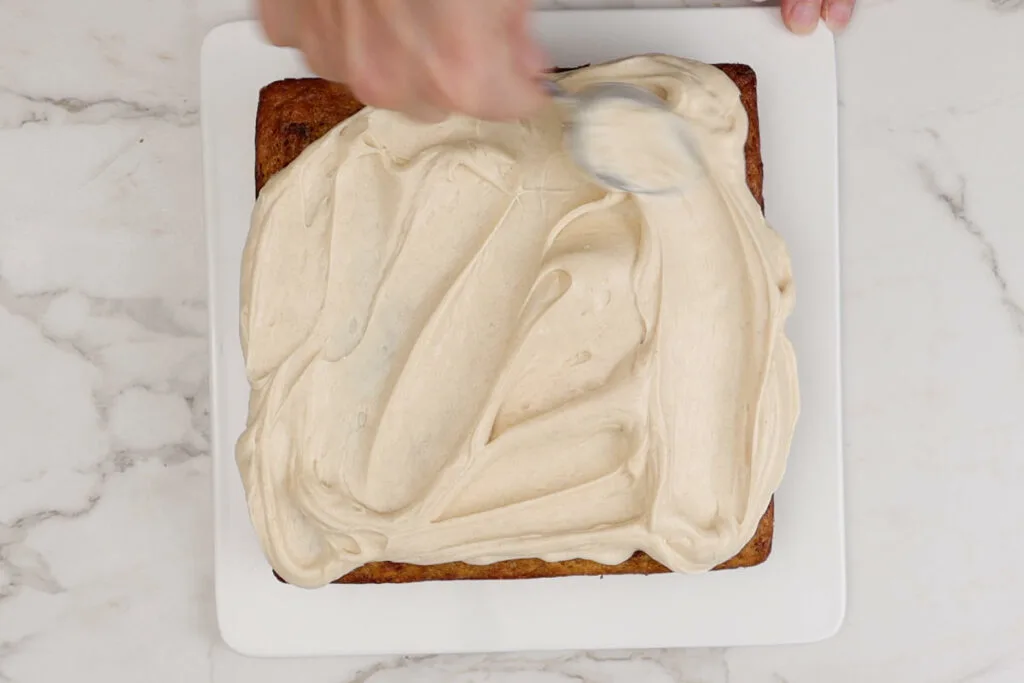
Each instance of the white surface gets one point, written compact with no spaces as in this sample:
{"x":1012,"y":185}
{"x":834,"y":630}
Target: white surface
{"x":106,"y":569}
{"x":798,"y":595}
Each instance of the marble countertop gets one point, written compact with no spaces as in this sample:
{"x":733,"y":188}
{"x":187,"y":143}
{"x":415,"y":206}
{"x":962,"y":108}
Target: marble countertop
{"x":105,"y":512}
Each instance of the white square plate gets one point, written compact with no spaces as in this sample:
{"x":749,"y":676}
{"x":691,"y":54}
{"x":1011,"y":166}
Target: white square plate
{"x":798,"y":595}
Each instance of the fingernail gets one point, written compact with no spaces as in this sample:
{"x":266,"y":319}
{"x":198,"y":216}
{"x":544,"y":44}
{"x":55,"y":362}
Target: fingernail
{"x":837,"y":15}
{"x":803,"y":18}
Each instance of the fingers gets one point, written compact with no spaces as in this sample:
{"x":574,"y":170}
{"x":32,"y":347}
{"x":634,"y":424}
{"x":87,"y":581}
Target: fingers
{"x":376,"y":60}
{"x":480,"y":57}
{"x":801,"y":16}
{"x":424,"y":58}
{"x":531,"y":59}
{"x":279,"y":22}
{"x":837,"y":14}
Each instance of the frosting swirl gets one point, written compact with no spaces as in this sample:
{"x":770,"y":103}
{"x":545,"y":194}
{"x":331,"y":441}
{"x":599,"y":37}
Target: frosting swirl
{"x":461,"y":348}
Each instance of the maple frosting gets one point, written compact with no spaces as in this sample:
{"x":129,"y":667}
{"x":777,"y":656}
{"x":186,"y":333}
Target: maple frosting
{"x":462,"y":348}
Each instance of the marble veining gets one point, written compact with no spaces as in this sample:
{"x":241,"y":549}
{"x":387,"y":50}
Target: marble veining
{"x":105,"y":512}
{"x":955,"y":200}
{"x":24,"y":109}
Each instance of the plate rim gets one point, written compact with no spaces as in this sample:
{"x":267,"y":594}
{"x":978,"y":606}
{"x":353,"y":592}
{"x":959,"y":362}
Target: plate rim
{"x":228,"y":624}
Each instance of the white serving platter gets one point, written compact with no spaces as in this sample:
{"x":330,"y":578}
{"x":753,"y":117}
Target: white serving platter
{"x":797,"y":596}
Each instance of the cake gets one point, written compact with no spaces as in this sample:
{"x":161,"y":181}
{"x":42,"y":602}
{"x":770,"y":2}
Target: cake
{"x":327,"y":511}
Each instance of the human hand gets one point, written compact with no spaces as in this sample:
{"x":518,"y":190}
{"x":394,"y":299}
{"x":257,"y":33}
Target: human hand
{"x":801,"y":16}
{"x":423,"y":57}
